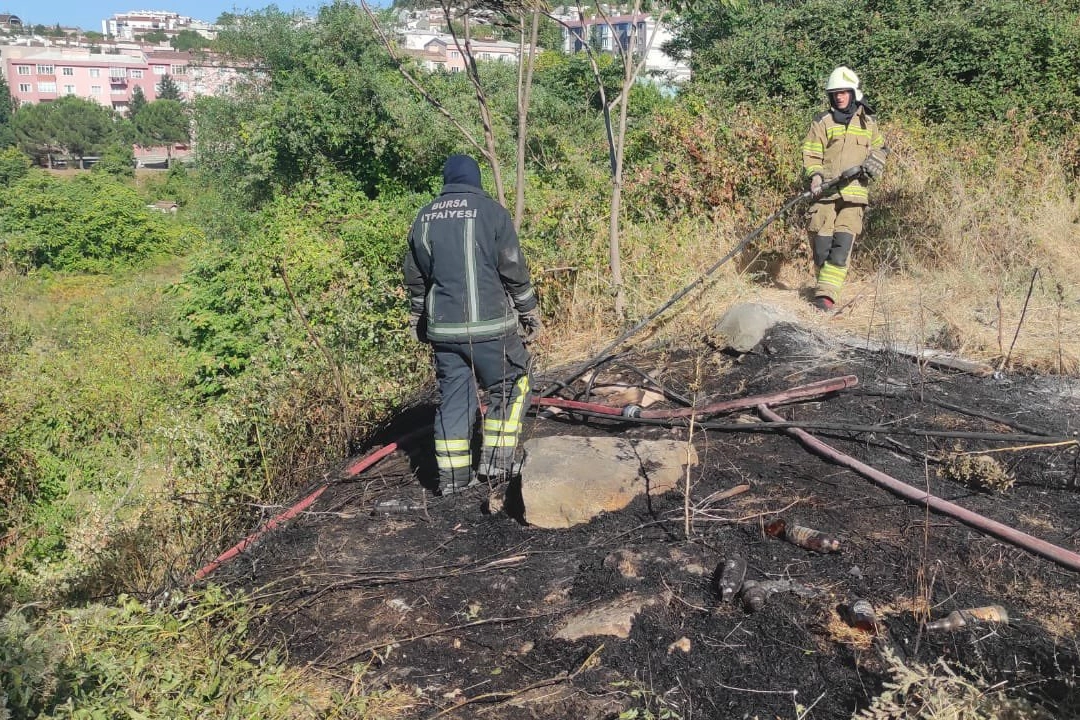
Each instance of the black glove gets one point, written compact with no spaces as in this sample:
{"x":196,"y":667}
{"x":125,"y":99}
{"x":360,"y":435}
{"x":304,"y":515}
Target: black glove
{"x":874,"y":166}
{"x":415,"y":318}
{"x":530,"y":325}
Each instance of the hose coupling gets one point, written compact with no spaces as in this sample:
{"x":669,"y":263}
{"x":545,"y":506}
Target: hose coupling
{"x":631,"y":411}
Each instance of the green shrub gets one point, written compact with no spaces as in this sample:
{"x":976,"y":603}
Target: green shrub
{"x":189,"y":657}
{"x":14,"y":165}
{"x":954,"y":62}
{"x":90,"y":223}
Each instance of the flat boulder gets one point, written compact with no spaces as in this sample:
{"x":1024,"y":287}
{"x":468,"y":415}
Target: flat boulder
{"x":613,"y":618}
{"x":568,"y":480}
{"x":743,"y":326}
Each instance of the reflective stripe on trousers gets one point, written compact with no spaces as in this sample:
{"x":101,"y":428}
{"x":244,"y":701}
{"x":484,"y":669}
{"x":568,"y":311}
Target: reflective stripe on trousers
{"x":498,"y":365}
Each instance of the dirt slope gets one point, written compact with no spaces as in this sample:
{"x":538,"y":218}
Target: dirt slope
{"x":462,"y":608}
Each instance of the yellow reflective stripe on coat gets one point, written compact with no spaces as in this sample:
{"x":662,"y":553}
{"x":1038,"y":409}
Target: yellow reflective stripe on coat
{"x":451,"y":446}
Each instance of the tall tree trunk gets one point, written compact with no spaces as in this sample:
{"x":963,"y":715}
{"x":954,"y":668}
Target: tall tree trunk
{"x":524,"y":98}
{"x":481,"y":100}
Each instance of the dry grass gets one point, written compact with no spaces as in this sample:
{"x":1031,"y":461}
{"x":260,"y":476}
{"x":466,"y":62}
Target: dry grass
{"x":947,"y":262}
{"x":840,"y":632}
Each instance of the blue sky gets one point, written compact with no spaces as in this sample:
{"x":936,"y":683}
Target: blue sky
{"x":88,"y":14}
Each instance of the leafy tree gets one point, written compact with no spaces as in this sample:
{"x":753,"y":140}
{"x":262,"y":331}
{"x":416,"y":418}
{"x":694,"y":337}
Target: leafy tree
{"x":118,"y":160}
{"x":13,"y":165}
{"x":163,"y":122}
{"x":155,"y":36}
{"x":956,"y":61}
{"x":82,"y":127}
{"x":93,"y":36}
{"x":7,"y":108}
{"x":327,"y":99}
{"x":35,"y":133}
{"x":167,"y":89}
{"x":69,"y":126}
{"x":137,"y":103}
{"x":188,"y":40}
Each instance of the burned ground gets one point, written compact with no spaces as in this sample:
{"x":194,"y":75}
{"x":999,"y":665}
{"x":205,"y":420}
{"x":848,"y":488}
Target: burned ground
{"x":461,"y":608}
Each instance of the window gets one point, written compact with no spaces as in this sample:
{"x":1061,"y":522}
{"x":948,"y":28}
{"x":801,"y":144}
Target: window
{"x":455,"y":54}
{"x":46,"y":87}
{"x":117,"y":73}
{"x":45,"y":70}
{"x":135,"y":74}
{"x":95,"y":89}
{"x":24,"y":87}
{"x":118,"y":91}
{"x":95,"y":72}
{"x":67,"y":71}
{"x":160,"y":70}
{"x":25,"y":69}
{"x":179,"y":69}
{"x":182,"y":87}
{"x":69,"y":89}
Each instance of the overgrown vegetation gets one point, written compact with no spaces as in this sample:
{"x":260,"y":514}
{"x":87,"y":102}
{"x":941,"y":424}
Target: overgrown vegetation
{"x":163,"y":377}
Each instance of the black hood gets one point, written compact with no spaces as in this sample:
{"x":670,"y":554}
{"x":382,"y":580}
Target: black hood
{"x":461,"y":170}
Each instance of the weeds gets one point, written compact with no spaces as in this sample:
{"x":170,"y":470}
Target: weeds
{"x":188,"y":658}
{"x":938,"y":692}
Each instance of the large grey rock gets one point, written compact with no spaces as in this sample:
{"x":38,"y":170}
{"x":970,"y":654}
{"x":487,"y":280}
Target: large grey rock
{"x":744,"y":325}
{"x":569,"y":480}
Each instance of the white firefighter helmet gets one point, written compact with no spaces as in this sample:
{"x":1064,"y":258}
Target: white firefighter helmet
{"x":844,"y":78}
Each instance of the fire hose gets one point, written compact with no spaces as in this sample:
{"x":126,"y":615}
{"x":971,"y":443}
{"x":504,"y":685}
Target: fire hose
{"x":846,"y":176}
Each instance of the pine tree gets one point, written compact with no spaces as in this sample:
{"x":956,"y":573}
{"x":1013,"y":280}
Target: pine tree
{"x":137,"y":103}
{"x":167,"y":89}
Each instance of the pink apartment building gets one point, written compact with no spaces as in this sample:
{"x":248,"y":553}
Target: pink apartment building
{"x":43,"y":74}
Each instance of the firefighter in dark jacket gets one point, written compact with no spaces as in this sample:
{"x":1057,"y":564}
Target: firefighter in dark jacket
{"x":843,"y":137}
{"x":469,"y":290}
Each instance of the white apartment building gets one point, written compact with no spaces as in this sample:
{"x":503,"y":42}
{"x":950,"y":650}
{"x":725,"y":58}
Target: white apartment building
{"x":129,"y":25}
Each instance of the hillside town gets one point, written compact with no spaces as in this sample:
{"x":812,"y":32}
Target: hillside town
{"x":136,"y":51}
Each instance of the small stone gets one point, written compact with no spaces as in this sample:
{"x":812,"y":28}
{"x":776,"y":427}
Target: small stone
{"x":626,"y":562}
{"x":855,"y":572}
{"x":682,"y":644}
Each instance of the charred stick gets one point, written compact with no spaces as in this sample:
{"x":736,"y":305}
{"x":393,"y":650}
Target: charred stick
{"x":972,"y":412}
{"x":770,"y":426}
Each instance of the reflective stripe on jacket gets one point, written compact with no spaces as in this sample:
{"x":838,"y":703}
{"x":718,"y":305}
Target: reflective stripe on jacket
{"x":464,"y":268}
{"x":830,"y":148}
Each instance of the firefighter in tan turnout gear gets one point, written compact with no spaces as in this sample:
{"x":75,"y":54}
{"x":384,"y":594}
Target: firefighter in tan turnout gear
{"x":843,"y":137}
{"x":469,"y":289}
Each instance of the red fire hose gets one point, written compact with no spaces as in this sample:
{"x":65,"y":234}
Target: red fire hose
{"x":350,"y":471}
{"x":1020,"y":539}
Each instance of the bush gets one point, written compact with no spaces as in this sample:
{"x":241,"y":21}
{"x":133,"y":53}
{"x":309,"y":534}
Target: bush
{"x":90,"y":223}
{"x":187,"y":658}
{"x":14,"y":165}
{"x":953,"y":62}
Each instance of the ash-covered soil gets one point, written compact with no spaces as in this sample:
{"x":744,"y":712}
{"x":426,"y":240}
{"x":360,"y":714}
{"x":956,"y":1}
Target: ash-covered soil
{"x":461,"y":608}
